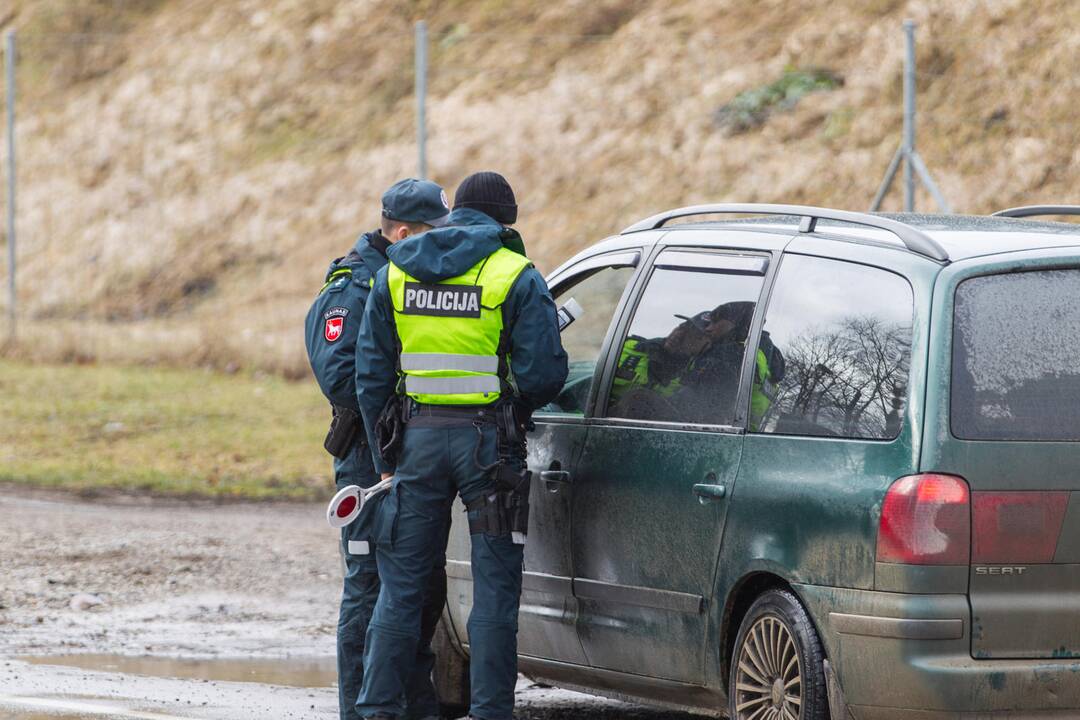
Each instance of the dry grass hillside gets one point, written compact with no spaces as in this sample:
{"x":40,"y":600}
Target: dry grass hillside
{"x":187,"y":168}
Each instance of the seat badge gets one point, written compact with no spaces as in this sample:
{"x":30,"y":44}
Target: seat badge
{"x":1000,"y":569}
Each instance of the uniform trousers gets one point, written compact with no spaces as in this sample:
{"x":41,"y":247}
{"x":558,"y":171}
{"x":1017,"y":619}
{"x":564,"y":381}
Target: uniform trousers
{"x":360,"y":592}
{"x":436,"y":463}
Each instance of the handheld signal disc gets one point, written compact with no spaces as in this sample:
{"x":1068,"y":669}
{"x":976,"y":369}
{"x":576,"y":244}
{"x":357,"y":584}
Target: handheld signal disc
{"x":345,"y":506}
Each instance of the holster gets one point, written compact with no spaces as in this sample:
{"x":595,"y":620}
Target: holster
{"x":390,"y":429}
{"x":505,"y":510}
{"x":346,"y":429}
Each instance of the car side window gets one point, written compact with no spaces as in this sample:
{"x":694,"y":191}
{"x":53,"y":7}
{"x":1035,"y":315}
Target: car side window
{"x":682,"y":357}
{"x":844,"y":331}
{"x":597,"y":292}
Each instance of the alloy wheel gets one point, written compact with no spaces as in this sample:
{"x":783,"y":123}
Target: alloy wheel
{"x":769,"y":677}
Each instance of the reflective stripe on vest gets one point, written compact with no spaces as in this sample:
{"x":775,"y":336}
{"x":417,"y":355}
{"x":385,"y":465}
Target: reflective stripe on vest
{"x":464,"y":385}
{"x":450,"y":331}
{"x":446,"y":361}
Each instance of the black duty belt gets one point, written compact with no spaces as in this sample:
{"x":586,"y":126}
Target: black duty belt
{"x":422,"y":414}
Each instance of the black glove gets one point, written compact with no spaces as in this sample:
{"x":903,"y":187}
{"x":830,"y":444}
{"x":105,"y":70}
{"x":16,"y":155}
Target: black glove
{"x":390,"y":430}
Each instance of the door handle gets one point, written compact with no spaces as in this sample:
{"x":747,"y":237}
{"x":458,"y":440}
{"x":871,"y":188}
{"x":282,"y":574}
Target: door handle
{"x":555,"y":479}
{"x":707,"y":493}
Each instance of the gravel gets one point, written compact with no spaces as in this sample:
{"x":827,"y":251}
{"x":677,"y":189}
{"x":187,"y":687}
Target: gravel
{"x":129,"y":576}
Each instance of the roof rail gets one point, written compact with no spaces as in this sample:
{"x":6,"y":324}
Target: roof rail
{"x":1035,"y":210}
{"x":914,"y":240}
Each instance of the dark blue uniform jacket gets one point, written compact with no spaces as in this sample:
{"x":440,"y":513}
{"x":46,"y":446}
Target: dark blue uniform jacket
{"x":537,"y":359}
{"x":334,"y":319}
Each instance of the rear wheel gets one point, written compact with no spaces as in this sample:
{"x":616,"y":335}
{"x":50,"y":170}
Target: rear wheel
{"x":776,"y":670}
{"x":451,"y":674}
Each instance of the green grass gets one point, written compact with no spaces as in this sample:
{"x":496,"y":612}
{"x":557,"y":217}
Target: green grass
{"x":751,"y":109}
{"x":187,"y":433}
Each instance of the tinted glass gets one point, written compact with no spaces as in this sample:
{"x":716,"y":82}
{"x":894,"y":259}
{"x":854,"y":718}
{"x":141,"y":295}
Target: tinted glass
{"x":598,"y":293}
{"x":1016,"y":357}
{"x":844,"y":332}
{"x":682,"y":357}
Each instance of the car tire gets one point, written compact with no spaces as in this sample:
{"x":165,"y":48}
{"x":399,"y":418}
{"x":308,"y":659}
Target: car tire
{"x":451,"y":675}
{"x":776,"y":664}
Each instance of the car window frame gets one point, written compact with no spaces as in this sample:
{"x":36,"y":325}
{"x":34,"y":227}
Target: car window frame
{"x":738,"y":426}
{"x":911,"y":359}
{"x":635,"y":257}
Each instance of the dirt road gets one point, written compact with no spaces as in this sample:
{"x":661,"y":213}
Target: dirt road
{"x":128,"y":608}
{"x":165,"y":578}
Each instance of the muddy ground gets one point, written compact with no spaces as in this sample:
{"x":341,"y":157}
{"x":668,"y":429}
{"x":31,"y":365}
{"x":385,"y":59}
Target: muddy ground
{"x":165,"y":578}
{"x":130,"y":608}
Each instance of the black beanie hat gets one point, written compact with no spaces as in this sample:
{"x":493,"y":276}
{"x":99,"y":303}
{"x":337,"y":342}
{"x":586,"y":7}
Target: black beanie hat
{"x":489,"y":193}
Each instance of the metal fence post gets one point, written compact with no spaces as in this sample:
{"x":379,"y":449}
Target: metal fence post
{"x":906,"y":153}
{"x":9,"y":64}
{"x":421,"y":98}
{"x":909,"y":116}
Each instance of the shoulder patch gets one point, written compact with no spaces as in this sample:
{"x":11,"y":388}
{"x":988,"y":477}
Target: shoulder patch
{"x":334,"y":319}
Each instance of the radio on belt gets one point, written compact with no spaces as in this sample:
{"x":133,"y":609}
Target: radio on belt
{"x":568,"y":313}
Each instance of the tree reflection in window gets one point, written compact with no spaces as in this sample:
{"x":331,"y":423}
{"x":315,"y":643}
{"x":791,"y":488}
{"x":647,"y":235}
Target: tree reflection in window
{"x":845,"y":331}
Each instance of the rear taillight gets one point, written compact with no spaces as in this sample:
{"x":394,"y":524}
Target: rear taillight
{"x":926,"y":520}
{"x":1017,"y":527}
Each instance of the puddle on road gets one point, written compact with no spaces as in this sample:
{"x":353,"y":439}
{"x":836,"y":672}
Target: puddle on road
{"x":296,"y":672}
{"x":48,"y":716}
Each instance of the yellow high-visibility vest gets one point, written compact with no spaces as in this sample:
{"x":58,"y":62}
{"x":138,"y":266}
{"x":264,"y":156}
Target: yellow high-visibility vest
{"x":451,"y":332}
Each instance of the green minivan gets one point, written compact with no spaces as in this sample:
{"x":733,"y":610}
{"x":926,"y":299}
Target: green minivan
{"x":873,"y":513}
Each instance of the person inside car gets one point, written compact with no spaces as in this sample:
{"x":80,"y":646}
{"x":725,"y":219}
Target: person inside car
{"x":692,"y":374}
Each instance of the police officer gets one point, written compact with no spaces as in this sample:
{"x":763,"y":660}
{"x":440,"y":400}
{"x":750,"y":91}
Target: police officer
{"x":460,"y":335}
{"x":408,"y":207}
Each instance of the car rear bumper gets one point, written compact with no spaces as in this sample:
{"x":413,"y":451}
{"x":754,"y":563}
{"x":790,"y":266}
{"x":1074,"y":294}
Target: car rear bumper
{"x":882,"y":713}
{"x":902,"y":655}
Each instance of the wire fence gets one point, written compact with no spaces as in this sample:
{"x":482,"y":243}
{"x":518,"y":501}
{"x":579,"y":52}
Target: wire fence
{"x":178,"y":201}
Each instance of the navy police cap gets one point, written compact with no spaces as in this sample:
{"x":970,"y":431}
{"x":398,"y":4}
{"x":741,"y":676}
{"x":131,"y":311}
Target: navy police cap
{"x":412,"y":200}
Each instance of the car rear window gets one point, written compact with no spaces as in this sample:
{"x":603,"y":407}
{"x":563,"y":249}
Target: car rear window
{"x":1016,"y":357}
